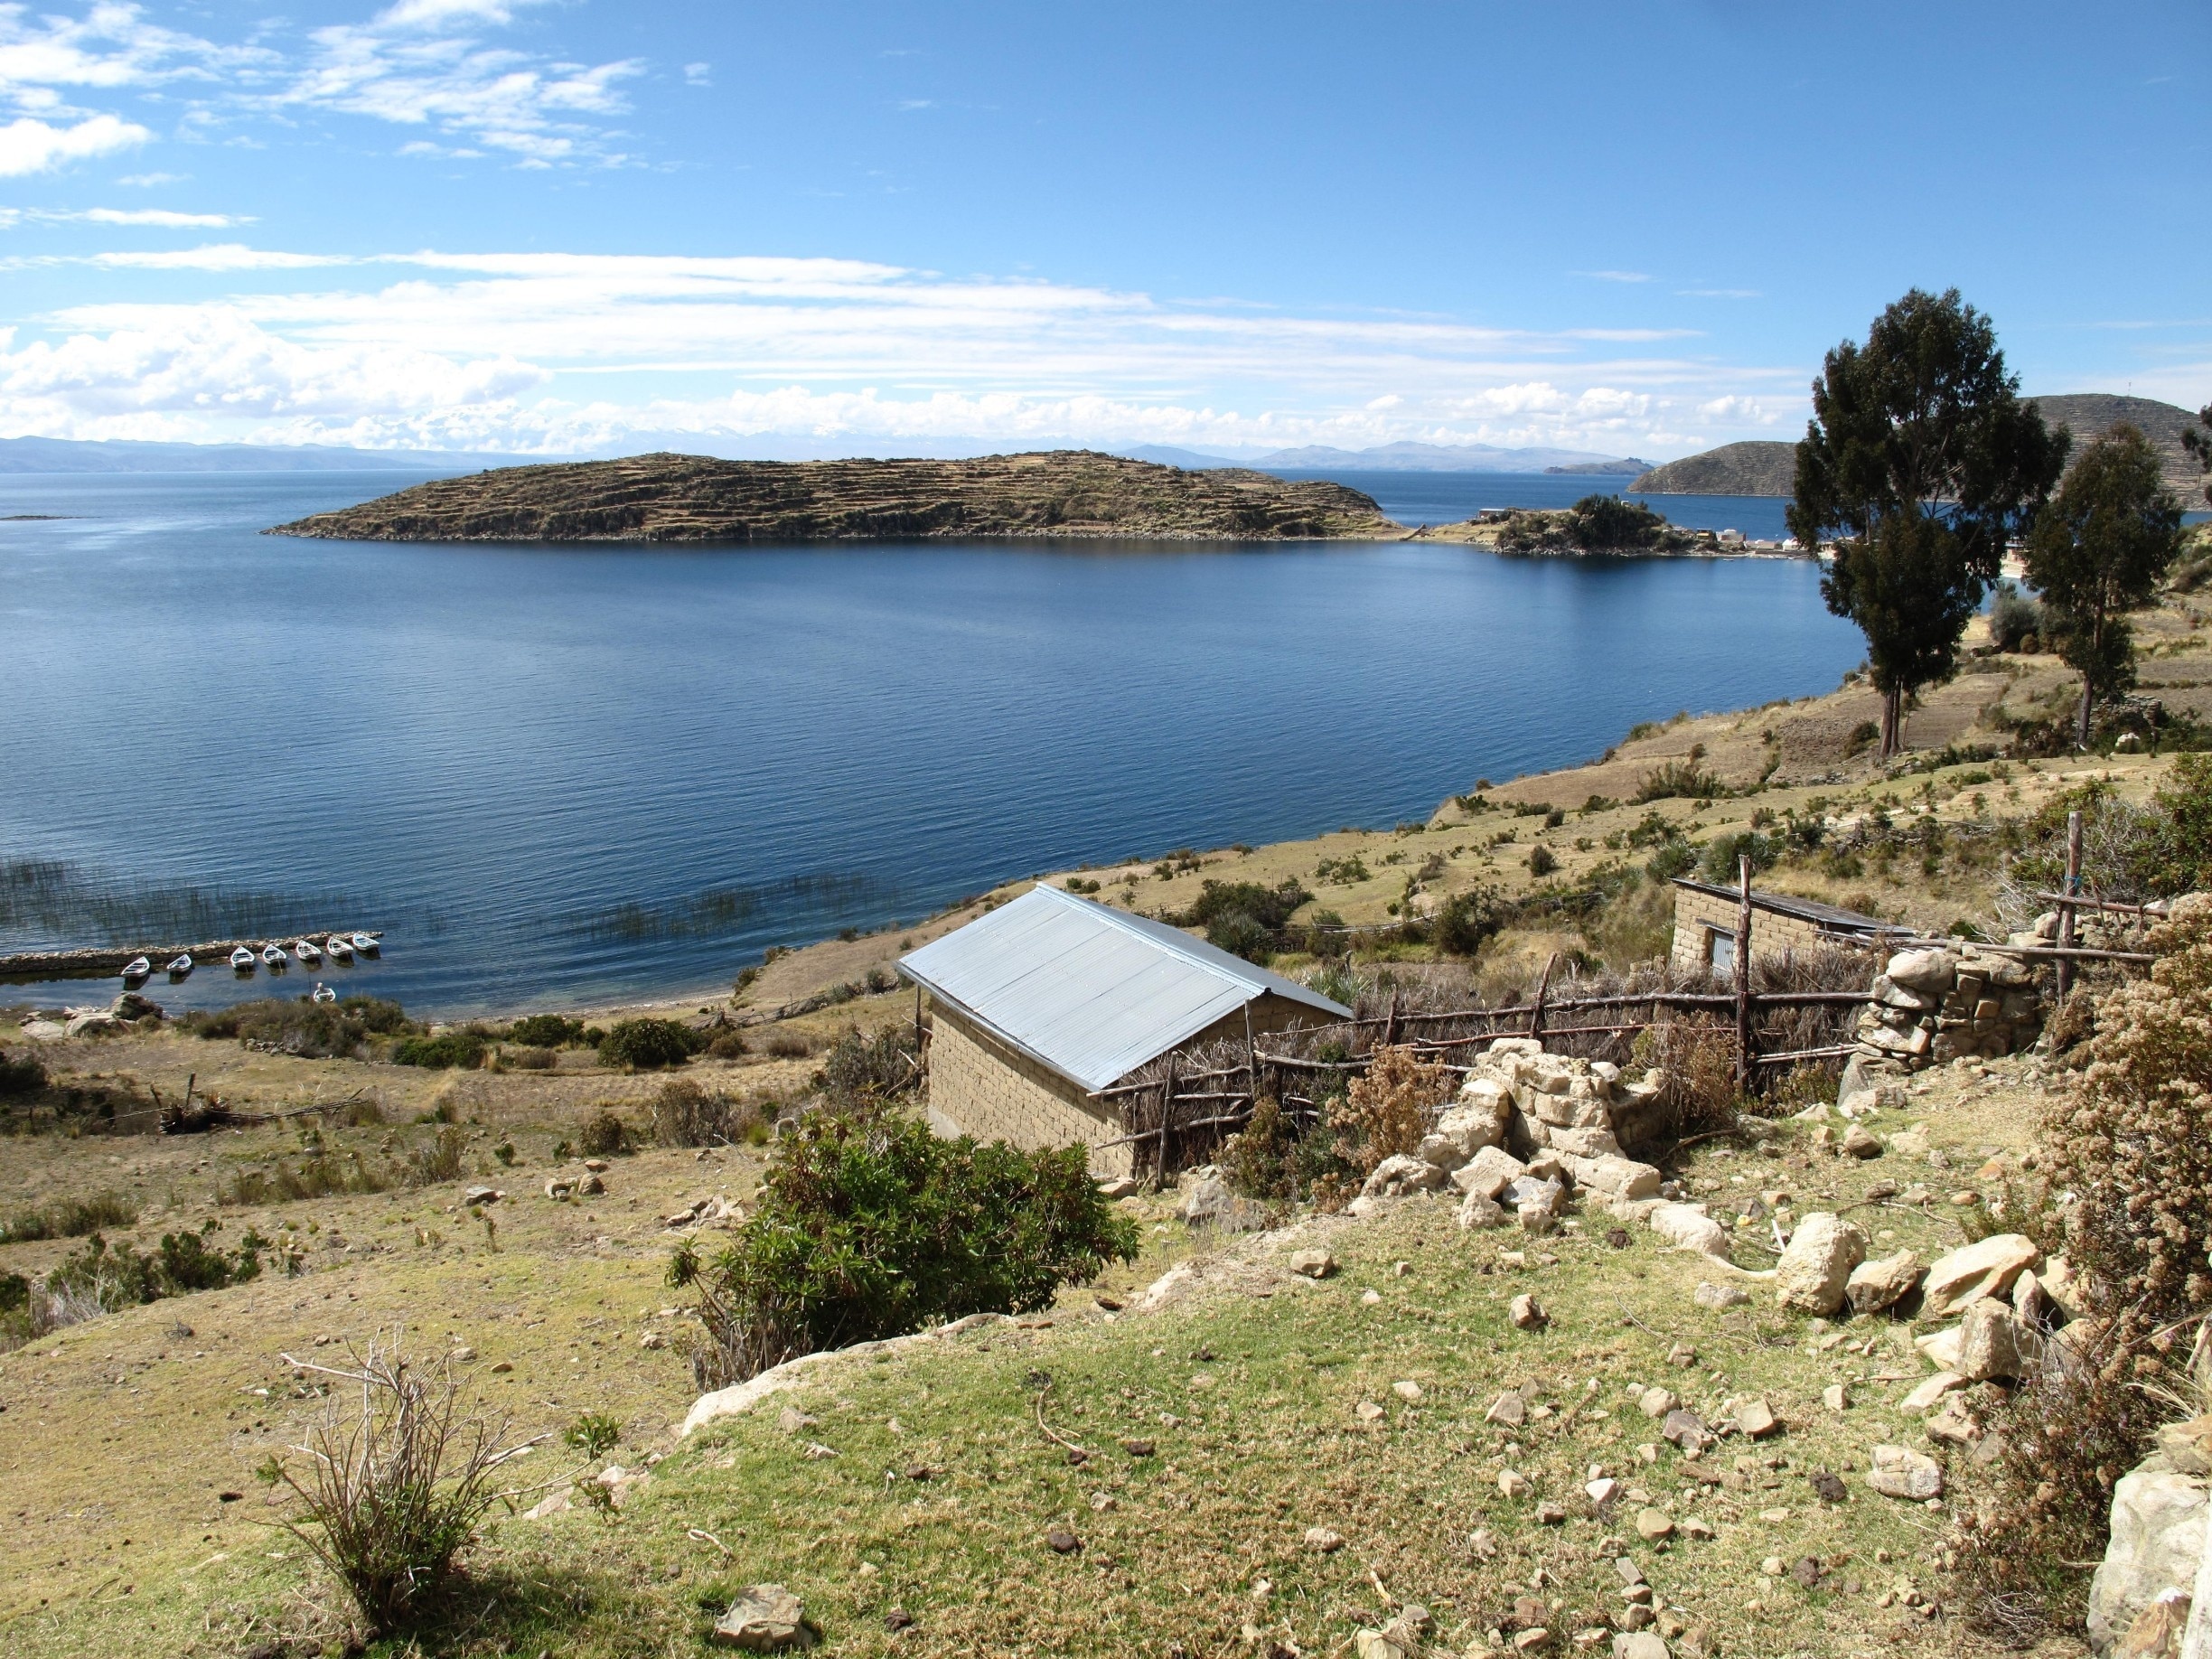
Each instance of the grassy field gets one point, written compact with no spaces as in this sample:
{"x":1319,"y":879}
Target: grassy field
{"x":126,"y":1434}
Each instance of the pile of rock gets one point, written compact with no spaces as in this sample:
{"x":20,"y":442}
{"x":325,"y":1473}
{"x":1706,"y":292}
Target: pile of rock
{"x":1934,"y":1006}
{"x":1528,"y":1128}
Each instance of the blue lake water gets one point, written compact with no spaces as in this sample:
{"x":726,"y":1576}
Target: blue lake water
{"x":560,"y":776}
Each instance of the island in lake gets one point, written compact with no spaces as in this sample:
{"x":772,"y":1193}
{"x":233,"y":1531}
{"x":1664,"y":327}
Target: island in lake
{"x":697,"y":498}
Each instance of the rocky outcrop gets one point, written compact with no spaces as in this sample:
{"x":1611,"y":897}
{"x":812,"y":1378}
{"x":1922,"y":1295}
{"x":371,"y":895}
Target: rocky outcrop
{"x":697,"y":498}
{"x":1753,"y":468}
{"x":2158,"y":1540}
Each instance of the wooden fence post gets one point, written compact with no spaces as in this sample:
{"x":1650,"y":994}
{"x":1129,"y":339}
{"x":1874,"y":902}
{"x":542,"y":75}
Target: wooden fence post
{"x":1544,"y":991}
{"x":1389,"y":1025}
{"x":1745,"y":1067}
{"x":1252,"y":1061}
{"x":2065,"y":912}
{"x":1166,"y":1111}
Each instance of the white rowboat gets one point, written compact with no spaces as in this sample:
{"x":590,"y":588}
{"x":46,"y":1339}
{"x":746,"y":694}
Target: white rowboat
{"x":366,"y":944}
{"x":275,"y":957}
{"x":243,"y":960}
{"x":137,"y":967}
{"x":323,"y":993}
{"x":181,"y":966}
{"x":305,"y":949}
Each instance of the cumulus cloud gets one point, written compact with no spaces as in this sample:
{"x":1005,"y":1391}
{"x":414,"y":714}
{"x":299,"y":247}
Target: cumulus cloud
{"x":28,"y":145}
{"x":560,"y":351}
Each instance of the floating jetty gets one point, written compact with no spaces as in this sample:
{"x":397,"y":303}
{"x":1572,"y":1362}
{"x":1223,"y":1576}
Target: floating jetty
{"x":108,"y":963}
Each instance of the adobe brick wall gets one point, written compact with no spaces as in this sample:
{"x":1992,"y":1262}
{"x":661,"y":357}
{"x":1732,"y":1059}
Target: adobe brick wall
{"x":1771,"y":934}
{"x":978,"y":1086}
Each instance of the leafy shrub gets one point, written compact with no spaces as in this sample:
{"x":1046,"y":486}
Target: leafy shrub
{"x":1242,"y":917}
{"x":546,"y":1031}
{"x":870,"y":1225}
{"x":1718,"y":865}
{"x":1276,"y":1158}
{"x":1391,"y":1106}
{"x":1676,"y":858}
{"x":1242,"y":935}
{"x":1542,"y":861}
{"x":459,"y":1047}
{"x":2132,"y":1149}
{"x":2015,"y":618}
{"x":2156,"y":850}
{"x":728,"y":1045}
{"x":863,"y":1068}
{"x":122,"y":1277}
{"x":1862,"y":735}
{"x":439,"y":1160}
{"x":70,"y":1218}
{"x":398,"y":1477}
{"x":1469,"y":920}
{"x":1678,"y":778}
{"x":594,"y":1434}
{"x":649,"y":1045}
{"x":684,"y":1114}
{"x":19,"y":1078}
{"x":605,"y":1135}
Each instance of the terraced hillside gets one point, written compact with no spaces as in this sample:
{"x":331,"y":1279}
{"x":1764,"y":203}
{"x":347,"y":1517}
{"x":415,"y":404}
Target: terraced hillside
{"x":696,"y":497}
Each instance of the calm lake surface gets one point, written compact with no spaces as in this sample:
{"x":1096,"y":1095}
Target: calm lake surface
{"x":557,"y":777}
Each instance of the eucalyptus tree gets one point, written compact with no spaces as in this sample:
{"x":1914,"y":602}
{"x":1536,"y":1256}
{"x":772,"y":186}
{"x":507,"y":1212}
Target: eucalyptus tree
{"x":1920,"y":463}
{"x":2100,"y":549}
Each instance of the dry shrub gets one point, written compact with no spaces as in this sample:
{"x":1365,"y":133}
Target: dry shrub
{"x":2131,"y":1160}
{"x":789,"y":1045}
{"x":1696,"y":1061}
{"x":526,"y":1060}
{"x":399,"y":1474}
{"x":605,"y":1135}
{"x":684,"y":1114}
{"x":1391,"y":1106}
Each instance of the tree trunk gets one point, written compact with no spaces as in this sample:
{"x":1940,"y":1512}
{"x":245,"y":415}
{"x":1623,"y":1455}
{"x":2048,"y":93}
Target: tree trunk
{"x":2087,"y":702}
{"x":2096,"y":654}
{"x":1892,"y":719}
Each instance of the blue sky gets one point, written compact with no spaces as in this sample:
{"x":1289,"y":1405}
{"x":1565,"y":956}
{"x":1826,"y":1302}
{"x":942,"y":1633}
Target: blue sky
{"x":577,"y":225}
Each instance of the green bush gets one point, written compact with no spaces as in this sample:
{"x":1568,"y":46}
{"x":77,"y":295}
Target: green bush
{"x":546,"y":1031}
{"x":870,"y":1225}
{"x":1469,"y":920}
{"x":2015,"y":618}
{"x":650,"y":1045}
{"x":1242,"y":935}
{"x":859,"y":1069}
{"x":1277,"y":1160}
{"x":1542,"y":861}
{"x":1676,"y":858}
{"x":460,"y":1046}
{"x":1718,"y":865}
{"x":183,"y":1262}
{"x":605,"y":1135}
{"x":1242,"y":917}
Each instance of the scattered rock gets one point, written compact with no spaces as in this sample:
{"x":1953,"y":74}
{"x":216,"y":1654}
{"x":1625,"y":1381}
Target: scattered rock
{"x":1512,"y":1484}
{"x":1408,"y":1391}
{"x":1818,"y":1263}
{"x":552,"y":1503}
{"x":1490,"y":1172}
{"x":1138,"y":1449}
{"x":1955,"y":1424}
{"x":1211,"y":1204}
{"x":1118,"y":1186}
{"x":1509,"y":1410}
{"x":765,"y":1619}
{"x":1899,"y":1472}
{"x":1828,"y":1487}
{"x":1925,"y":1397}
{"x":1656,"y":1403}
{"x":1835,"y":1398}
{"x":1702,"y":1531}
{"x":1551,"y":1514}
{"x":1640,"y":1645}
{"x":1399,"y":1174}
{"x":1985,"y":1268}
{"x":1990,"y":1343}
{"x":1880,"y":1283}
{"x":1062,"y":1541}
{"x":1312,"y":1263}
{"x":1526,"y":1315}
{"x":476,"y":1195}
{"x":1687,"y":1227}
{"x":1654,"y":1524}
{"x":1368,"y":1411}
{"x":1325,"y":1541}
{"x":1719,"y":1296}
{"x":1476,"y":1211}
{"x":1754,"y":1416}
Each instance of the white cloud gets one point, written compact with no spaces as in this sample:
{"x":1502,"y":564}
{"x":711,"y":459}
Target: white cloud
{"x":699,"y":74}
{"x":162,"y":218}
{"x":1615,"y":276}
{"x":1718,"y":293}
{"x":413,"y":65}
{"x":28,"y":145}
{"x":147,"y":181}
{"x":560,"y":351}
{"x":111,"y":46}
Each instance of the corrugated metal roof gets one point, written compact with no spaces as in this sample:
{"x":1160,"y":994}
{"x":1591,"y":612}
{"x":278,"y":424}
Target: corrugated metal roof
{"x":1091,"y":991}
{"x":1805,"y":910}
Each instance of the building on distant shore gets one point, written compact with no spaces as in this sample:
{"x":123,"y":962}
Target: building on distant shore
{"x":1705,"y":919}
{"x":1050,"y":1000}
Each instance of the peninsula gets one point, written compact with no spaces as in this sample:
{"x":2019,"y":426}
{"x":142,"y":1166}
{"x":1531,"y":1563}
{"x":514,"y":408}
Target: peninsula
{"x":698,"y":499}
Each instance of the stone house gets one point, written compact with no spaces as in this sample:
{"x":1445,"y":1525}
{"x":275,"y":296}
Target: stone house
{"x":1705,"y":926}
{"x":1050,"y":1000}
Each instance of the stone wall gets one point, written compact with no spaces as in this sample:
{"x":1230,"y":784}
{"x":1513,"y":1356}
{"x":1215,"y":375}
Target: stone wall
{"x":978,"y":1086}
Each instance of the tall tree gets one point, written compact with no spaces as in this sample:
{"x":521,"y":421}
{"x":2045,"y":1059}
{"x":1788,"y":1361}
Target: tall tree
{"x":2198,"y":441}
{"x":1920,"y":462}
{"x":2100,"y":549}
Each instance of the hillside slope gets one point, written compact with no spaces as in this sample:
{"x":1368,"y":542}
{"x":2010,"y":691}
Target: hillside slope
{"x":1761,"y":467}
{"x":694,"y":497}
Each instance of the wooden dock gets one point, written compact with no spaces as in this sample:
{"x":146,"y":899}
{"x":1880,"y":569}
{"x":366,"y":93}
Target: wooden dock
{"x":107,"y":962}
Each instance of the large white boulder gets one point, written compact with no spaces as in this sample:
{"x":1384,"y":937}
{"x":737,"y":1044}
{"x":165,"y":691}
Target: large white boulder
{"x":1399,"y":1174}
{"x":1489,"y":1172}
{"x":2158,"y":1538}
{"x":1931,"y":973}
{"x":1614,"y":1176}
{"x":1686,"y":1226}
{"x":1875,"y":1285}
{"x":1817,"y":1265}
{"x":1985,"y":1268}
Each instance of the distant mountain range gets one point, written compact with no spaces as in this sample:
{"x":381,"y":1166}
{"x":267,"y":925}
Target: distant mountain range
{"x":40,"y":455}
{"x":1766,"y":468}
{"x":1408,"y":457}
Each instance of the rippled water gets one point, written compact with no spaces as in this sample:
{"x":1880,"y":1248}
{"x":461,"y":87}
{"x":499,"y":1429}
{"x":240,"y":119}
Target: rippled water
{"x":558,"y":776}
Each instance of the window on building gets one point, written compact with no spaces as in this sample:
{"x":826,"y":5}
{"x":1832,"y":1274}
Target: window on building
{"x":1720,"y":950}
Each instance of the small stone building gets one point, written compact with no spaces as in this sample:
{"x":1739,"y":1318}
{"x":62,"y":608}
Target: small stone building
{"x":1705,"y":926}
{"x":1049,"y":999}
